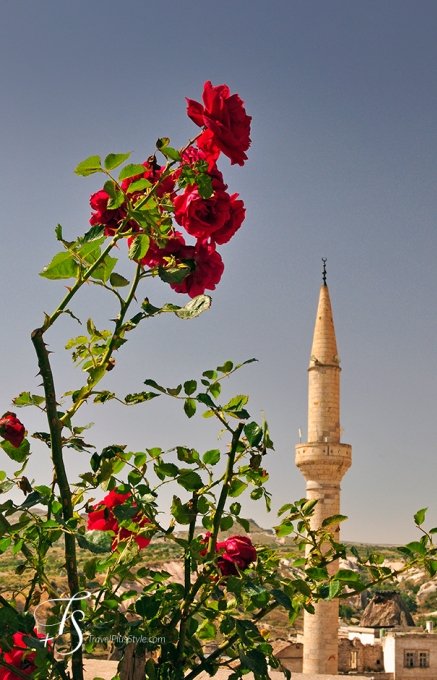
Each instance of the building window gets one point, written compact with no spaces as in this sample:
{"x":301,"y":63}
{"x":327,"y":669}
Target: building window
{"x":423,"y":659}
{"x":354,"y":660}
{"x":409,"y":660}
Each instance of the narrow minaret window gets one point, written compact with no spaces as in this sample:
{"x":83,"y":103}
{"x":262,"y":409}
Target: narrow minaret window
{"x":323,"y":461}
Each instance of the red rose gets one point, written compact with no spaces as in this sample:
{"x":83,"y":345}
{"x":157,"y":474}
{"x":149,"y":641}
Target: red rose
{"x":21,"y":658}
{"x":103,"y":519}
{"x":207,"y":144}
{"x":207,"y":269}
{"x":199,"y":216}
{"x":225,"y":116}
{"x":237,"y":214}
{"x":12,"y":429}
{"x":237,"y":552}
{"x":241,"y":548}
{"x":110,"y":219}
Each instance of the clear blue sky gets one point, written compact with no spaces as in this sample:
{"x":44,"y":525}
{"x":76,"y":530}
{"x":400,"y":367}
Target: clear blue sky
{"x":342,"y":165}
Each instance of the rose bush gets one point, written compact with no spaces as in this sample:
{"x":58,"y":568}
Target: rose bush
{"x":228,"y":585}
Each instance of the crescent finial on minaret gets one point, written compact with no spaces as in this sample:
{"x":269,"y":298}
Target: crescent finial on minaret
{"x":324,"y":270}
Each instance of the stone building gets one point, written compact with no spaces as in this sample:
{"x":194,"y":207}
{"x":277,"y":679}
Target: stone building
{"x":410,"y":655}
{"x":323,"y":461}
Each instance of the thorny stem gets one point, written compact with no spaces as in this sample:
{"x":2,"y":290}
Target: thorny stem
{"x":55,"y":426}
{"x":225,"y":490}
{"x":105,"y":358}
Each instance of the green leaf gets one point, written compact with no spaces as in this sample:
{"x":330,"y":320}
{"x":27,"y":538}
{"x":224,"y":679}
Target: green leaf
{"x":211,"y":457}
{"x":27,"y":399}
{"x":302,"y":587}
{"x":138,"y":185}
{"x":253,"y":433}
{"x":237,"y":487}
{"x":113,"y":160}
{"x":236,"y":403}
{"x":419,"y":517}
{"x":139,"y":247}
{"x":206,"y":399}
{"x":190,"y":386}
{"x":255,"y":661}
{"x":215,"y":389}
{"x":131,"y":170}
{"x":89,"y":166}
{"x":190,"y":480}
{"x":334,"y":589}
{"x":187,"y":455}
{"x":190,"y":407}
{"x":94,"y":234}
{"x":32,"y":499}
{"x":171,"y":153}
{"x":147,"y":607}
{"x":347,"y":575}
{"x":63,"y":266}
{"x":235,"y":508}
{"x":174,"y":391}
{"x":95,"y":541}
{"x":335,"y":519}
{"x":318,"y":573}
{"x":139,"y":397}
{"x":226,"y":368}
{"x":206,"y":631}
{"x":118,"y":281}
{"x":167,"y":469}
{"x":174,"y":274}
{"x":417,"y":547}
{"x":104,"y":270}
{"x":282,"y":598}
{"x":183,"y":513}
{"x":226,"y":523}
{"x":162,"y":142}
{"x":212,"y":375}
{"x":18,"y":454}
{"x":124,"y":511}
{"x":243,"y":523}
{"x":284,"y":529}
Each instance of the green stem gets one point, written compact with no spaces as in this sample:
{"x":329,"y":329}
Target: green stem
{"x":81,"y":280}
{"x":55,"y":426}
{"x":225,"y":490}
{"x":187,"y":579}
{"x":105,"y":358}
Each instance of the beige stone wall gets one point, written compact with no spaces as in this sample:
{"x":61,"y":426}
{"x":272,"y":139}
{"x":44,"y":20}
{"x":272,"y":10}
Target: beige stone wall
{"x":397,"y":644}
{"x":324,"y":403}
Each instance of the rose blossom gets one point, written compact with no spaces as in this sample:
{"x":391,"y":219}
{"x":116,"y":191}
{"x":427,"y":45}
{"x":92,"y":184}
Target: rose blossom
{"x":12,"y":429}
{"x":22,"y":658}
{"x":237,"y":214}
{"x":236,"y":553}
{"x":207,"y":269}
{"x":103,"y":519}
{"x":108,"y":218}
{"x":225,"y":116}
{"x":204,"y":261}
{"x":199,"y":216}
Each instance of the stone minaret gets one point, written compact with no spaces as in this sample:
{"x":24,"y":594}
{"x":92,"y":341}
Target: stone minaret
{"x":323,"y":462}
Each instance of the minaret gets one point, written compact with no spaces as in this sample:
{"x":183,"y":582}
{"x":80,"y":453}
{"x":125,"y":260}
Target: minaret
{"x":323,"y":462}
